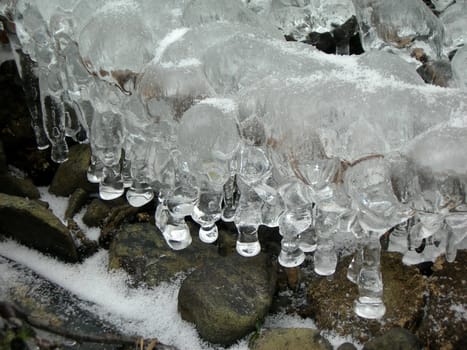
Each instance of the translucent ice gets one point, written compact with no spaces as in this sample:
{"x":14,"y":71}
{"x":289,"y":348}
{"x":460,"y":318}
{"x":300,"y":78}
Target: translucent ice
{"x":459,"y":68}
{"x":455,"y":22}
{"x":400,"y":24}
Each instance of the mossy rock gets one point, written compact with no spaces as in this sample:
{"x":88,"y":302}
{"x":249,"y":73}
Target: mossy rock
{"x":331,"y":300}
{"x":71,"y":174}
{"x":227,"y":297}
{"x":95,"y":213}
{"x":396,"y":338}
{"x":142,"y":252}
{"x":291,"y":339}
{"x":31,"y":224}
{"x":77,"y":200}
{"x":445,"y":323}
{"x":16,"y":186}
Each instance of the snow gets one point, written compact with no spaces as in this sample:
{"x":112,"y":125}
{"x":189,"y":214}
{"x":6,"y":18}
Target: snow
{"x":142,"y":311}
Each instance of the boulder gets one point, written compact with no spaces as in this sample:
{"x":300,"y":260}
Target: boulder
{"x":95,"y":213}
{"x":394,"y":339}
{"x":445,"y":323}
{"x":37,"y":227}
{"x":142,"y":252}
{"x":404,"y":297}
{"x":76,"y":202}
{"x":16,"y":186}
{"x":291,"y":339}
{"x":227,"y":297}
{"x":71,"y":174}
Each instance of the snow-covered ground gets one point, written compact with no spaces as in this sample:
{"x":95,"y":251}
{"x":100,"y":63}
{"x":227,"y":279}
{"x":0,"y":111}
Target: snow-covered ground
{"x":146,"y":312}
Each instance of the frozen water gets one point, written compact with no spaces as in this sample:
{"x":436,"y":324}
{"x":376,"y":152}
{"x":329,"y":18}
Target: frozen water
{"x":123,"y":43}
{"x":399,"y":24}
{"x":455,"y":22}
{"x":459,"y":68}
{"x":354,"y":113}
{"x":300,"y":17}
{"x":391,"y":66}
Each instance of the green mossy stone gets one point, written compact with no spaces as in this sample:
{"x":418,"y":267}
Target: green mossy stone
{"x":291,"y":339}
{"x":142,"y":252}
{"x":71,"y":174}
{"x":227,"y":297}
{"x":33,"y":225}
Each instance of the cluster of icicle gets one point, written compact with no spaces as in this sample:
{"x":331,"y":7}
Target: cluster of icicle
{"x":203,"y":103}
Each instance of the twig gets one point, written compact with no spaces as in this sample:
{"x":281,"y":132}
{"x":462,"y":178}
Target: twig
{"x":9,"y":310}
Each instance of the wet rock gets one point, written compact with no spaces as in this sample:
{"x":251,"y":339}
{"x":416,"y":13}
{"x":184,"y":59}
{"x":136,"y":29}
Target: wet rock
{"x":291,"y":339}
{"x":16,"y":131}
{"x":71,"y":174}
{"x":95,"y":213}
{"x":76,"y":202}
{"x":35,"y":226}
{"x":445,"y":323}
{"x":226,"y":297}
{"x":322,"y":41}
{"x":436,"y":72}
{"x":347,"y":346}
{"x":142,"y":252}
{"x":396,"y":338}
{"x":16,"y":186}
{"x":404,"y":297}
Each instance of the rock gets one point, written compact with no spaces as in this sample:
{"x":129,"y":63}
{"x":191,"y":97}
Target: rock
{"x":76,"y":202}
{"x":347,"y":346}
{"x":322,"y":41}
{"x":395,"y":339}
{"x":95,"y":213}
{"x":226,"y":297}
{"x":71,"y":174}
{"x":334,"y":311}
{"x":16,"y":186}
{"x":142,"y":252}
{"x":291,"y":339}
{"x":445,"y":323}
{"x":35,"y":226}
{"x":16,"y":132}
{"x":3,"y":163}
{"x":436,"y":72}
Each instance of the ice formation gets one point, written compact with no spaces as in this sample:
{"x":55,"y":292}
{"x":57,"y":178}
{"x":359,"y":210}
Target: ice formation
{"x":203,"y":103}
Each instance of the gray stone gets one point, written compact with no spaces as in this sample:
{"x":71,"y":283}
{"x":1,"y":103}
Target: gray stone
{"x":291,"y":339}
{"x":444,"y":325}
{"x":71,"y":174}
{"x":395,"y":339}
{"x":228,"y":296}
{"x":16,"y":186}
{"x":95,"y":213}
{"x":76,"y":202}
{"x":347,"y":346}
{"x":142,"y":252}
{"x":37,"y":227}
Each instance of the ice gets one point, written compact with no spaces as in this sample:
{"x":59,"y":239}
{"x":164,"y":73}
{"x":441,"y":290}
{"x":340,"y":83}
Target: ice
{"x":123,"y":43}
{"x":199,"y":12}
{"x":440,"y":150}
{"x":297,"y":18}
{"x":207,"y":139}
{"x":399,"y":24}
{"x":455,"y":22}
{"x":391,"y":66}
{"x":352,"y":116}
{"x":459,"y":68}
{"x":245,"y":59}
